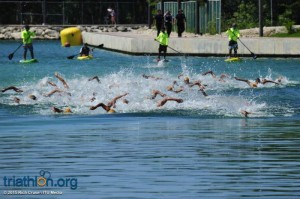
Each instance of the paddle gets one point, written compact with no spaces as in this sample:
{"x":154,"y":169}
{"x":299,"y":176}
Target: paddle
{"x":11,"y":55}
{"x":253,"y":55}
{"x":72,"y":56}
{"x":174,"y":50}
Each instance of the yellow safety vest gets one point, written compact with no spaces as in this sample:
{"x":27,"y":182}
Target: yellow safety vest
{"x":233,"y":34}
{"x":26,"y":36}
{"x":163,"y":38}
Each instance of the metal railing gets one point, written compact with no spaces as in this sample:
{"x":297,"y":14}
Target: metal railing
{"x":209,"y":19}
{"x":64,"y":12}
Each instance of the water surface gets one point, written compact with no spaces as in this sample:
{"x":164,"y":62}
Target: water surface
{"x":200,"y":148}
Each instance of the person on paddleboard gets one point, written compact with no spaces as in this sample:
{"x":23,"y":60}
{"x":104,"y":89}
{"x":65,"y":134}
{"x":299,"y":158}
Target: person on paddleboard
{"x":27,"y":42}
{"x":84,"y":50}
{"x":163,"y":40}
{"x":233,"y":35}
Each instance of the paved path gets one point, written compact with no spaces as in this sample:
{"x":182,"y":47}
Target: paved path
{"x":141,"y":44}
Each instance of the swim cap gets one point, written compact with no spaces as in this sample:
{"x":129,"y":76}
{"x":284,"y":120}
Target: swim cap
{"x":111,"y":111}
{"x":67,"y":44}
{"x":68,"y":110}
{"x":33,"y":97}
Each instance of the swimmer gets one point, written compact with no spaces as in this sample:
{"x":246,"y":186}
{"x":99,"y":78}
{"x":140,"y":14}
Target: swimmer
{"x":165,"y":98}
{"x":251,"y":84}
{"x":150,"y":76}
{"x":191,"y":84}
{"x":264,"y":81}
{"x":196,"y":83}
{"x":110,"y":104}
{"x":12,"y":88}
{"x":52,"y":84}
{"x":56,"y":91}
{"x":33,"y":97}
{"x":95,"y":78}
{"x":157,"y":92}
{"x":61,"y":79}
{"x":171,"y":88}
{"x":221,"y":78}
{"x":18,"y":100}
{"x":245,"y":113}
{"x":57,"y":110}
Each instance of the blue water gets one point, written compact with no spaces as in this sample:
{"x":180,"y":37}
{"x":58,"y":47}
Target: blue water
{"x":201,"y":148}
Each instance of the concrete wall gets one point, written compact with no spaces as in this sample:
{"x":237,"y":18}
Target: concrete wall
{"x":201,"y":46}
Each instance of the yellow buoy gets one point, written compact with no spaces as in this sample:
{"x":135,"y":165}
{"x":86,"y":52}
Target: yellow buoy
{"x":71,"y":37}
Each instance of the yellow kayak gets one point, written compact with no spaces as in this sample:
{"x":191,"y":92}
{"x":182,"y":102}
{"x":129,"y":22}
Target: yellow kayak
{"x":233,"y":59}
{"x":85,"y":57}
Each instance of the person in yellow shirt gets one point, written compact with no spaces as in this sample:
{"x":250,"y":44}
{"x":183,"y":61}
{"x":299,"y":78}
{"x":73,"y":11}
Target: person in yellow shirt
{"x":27,"y":42}
{"x":233,"y":35}
{"x":163,"y":40}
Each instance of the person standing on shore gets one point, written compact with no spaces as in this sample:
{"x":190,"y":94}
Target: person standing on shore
{"x":168,"y":22}
{"x":233,"y":35}
{"x":163,"y":40}
{"x":113,"y":17}
{"x":181,"y":20}
{"x":159,"y":21}
{"x":27,"y":42}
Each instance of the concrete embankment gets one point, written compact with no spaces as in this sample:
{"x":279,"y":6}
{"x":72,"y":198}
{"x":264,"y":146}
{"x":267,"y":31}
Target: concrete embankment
{"x":139,"y":40}
{"x":141,"y":44}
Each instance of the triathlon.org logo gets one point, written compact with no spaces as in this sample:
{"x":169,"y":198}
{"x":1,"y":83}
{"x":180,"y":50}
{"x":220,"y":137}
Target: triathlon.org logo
{"x":44,"y":180}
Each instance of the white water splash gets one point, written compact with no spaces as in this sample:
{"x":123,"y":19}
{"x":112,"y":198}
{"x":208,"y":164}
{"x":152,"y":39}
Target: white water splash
{"x":222,"y":100}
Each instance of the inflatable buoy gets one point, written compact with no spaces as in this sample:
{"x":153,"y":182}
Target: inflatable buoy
{"x":71,"y":37}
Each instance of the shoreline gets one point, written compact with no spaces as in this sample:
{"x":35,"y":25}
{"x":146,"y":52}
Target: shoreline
{"x":138,"y":40}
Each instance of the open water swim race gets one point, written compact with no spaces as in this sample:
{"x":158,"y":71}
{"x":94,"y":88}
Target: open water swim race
{"x":191,"y":127}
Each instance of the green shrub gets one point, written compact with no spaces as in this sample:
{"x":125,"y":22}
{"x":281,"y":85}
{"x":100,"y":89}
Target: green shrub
{"x":212,"y":29}
{"x":285,"y":20}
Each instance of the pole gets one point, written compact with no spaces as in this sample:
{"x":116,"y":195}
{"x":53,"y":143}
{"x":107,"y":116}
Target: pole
{"x":197,"y":18}
{"x":261,"y":31}
{"x":44,"y":12}
{"x":179,"y":4}
{"x":271,"y":5}
{"x":149,"y":14}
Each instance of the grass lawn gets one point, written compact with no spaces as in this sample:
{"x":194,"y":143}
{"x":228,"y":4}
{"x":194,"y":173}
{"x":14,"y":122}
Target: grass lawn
{"x":296,"y":34}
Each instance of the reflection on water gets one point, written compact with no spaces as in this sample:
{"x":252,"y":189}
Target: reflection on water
{"x":158,"y":157}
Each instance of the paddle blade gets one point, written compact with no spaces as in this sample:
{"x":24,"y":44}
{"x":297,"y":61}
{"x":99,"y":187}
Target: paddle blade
{"x":254,"y":56}
{"x":71,"y":57}
{"x":10,"y":56}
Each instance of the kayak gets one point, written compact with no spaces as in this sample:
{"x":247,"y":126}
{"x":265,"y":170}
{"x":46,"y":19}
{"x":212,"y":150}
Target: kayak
{"x":28,"y":61}
{"x":85,"y":57}
{"x":233,"y":59}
